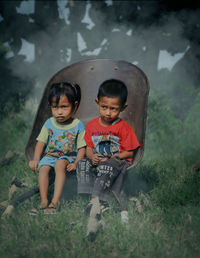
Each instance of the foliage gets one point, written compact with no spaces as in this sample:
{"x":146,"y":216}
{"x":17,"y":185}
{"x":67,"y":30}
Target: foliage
{"x":163,"y":130}
{"x":178,"y":185}
{"x":14,"y":132}
{"x":172,"y":148}
{"x":169,"y":137}
{"x":13,"y":89}
{"x":191,"y":132}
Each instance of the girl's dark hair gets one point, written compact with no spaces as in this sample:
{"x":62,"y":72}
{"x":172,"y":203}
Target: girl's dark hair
{"x":113,"y":89}
{"x":71,"y":90}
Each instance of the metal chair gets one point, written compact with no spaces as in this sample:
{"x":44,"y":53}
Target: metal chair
{"x":89,"y":75}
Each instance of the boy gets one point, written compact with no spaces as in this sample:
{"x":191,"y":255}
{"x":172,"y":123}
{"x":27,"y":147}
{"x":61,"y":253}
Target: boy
{"x":111,"y":145}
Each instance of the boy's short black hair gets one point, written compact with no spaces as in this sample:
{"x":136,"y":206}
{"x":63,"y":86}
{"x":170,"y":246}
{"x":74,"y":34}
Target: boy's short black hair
{"x":113,"y":89}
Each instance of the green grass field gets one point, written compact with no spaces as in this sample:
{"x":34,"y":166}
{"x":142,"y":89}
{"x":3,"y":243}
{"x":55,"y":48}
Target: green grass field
{"x":160,"y":230}
{"x":164,"y":182}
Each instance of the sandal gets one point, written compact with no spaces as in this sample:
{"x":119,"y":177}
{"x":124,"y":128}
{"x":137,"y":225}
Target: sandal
{"x":51,"y":209}
{"x":35,"y":212}
{"x":104,"y":206}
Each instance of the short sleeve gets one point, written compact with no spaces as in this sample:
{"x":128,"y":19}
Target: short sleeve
{"x":80,"y":140}
{"x":129,"y":139}
{"x":43,"y":135}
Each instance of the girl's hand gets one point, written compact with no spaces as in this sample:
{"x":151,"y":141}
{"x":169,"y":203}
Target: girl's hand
{"x":71,"y":166}
{"x":33,"y":164}
{"x":96,"y":158}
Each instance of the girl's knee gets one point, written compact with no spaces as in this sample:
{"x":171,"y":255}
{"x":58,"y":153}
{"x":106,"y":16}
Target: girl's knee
{"x":61,"y":165}
{"x":44,"y":170}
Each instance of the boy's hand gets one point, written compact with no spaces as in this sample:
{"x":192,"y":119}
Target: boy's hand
{"x":71,"y":166}
{"x":96,"y":158}
{"x":106,"y":157}
{"x":33,"y":164}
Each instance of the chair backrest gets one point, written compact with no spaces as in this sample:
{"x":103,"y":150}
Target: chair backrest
{"x":89,"y":75}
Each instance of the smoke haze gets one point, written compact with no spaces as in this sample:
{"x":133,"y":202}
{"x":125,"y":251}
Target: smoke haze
{"x":163,"y":43}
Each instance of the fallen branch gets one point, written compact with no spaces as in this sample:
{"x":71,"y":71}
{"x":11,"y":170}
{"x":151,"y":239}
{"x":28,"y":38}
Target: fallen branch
{"x":11,"y":204}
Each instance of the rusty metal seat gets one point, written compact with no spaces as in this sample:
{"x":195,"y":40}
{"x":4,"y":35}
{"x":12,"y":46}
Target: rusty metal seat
{"x":89,"y":75}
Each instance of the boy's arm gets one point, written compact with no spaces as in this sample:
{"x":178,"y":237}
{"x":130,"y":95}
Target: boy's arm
{"x":127,"y":154}
{"x":129,"y":142}
{"x":80,"y":155}
{"x":124,"y":154}
{"x":94,"y":157}
{"x":89,"y":152}
{"x":33,"y":164}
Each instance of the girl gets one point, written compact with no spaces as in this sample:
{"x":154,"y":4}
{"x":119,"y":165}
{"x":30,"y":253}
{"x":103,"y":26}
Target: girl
{"x":62,"y":140}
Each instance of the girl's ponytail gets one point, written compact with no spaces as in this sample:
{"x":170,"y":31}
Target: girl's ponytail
{"x":77,"y":91}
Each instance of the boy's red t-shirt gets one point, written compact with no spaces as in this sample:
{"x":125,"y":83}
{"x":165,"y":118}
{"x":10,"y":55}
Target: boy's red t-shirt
{"x":118,"y":137}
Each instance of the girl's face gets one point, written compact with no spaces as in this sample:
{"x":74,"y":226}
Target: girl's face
{"x":63,"y":110}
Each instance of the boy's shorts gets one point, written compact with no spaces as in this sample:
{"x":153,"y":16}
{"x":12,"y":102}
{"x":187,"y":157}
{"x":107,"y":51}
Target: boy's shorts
{"x":51,"y":161}
{"x":103,"y":179}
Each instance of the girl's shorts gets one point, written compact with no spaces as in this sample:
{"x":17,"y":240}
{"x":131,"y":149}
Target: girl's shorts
{"x":51,"y":161}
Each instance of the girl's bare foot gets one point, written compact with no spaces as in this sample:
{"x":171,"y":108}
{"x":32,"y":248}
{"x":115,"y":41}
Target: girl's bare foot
{"x":52,"y":208}
{"x":44,"y":204}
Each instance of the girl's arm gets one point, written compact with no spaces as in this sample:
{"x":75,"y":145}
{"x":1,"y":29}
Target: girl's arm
{"x":33,"y":164}
{"x":80,"y":155}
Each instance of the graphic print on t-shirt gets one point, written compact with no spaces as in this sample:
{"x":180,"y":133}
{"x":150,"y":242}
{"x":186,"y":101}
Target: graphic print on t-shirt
{"x":106,"y":144}
{"x":62,"y":144}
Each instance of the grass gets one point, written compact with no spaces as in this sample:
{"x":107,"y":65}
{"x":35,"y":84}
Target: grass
{"x":164,"y":183}
{"x":158,"y":231}
{"x":149,"y":234}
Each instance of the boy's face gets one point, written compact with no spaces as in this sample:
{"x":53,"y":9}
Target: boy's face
{"x":109,"y":109}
